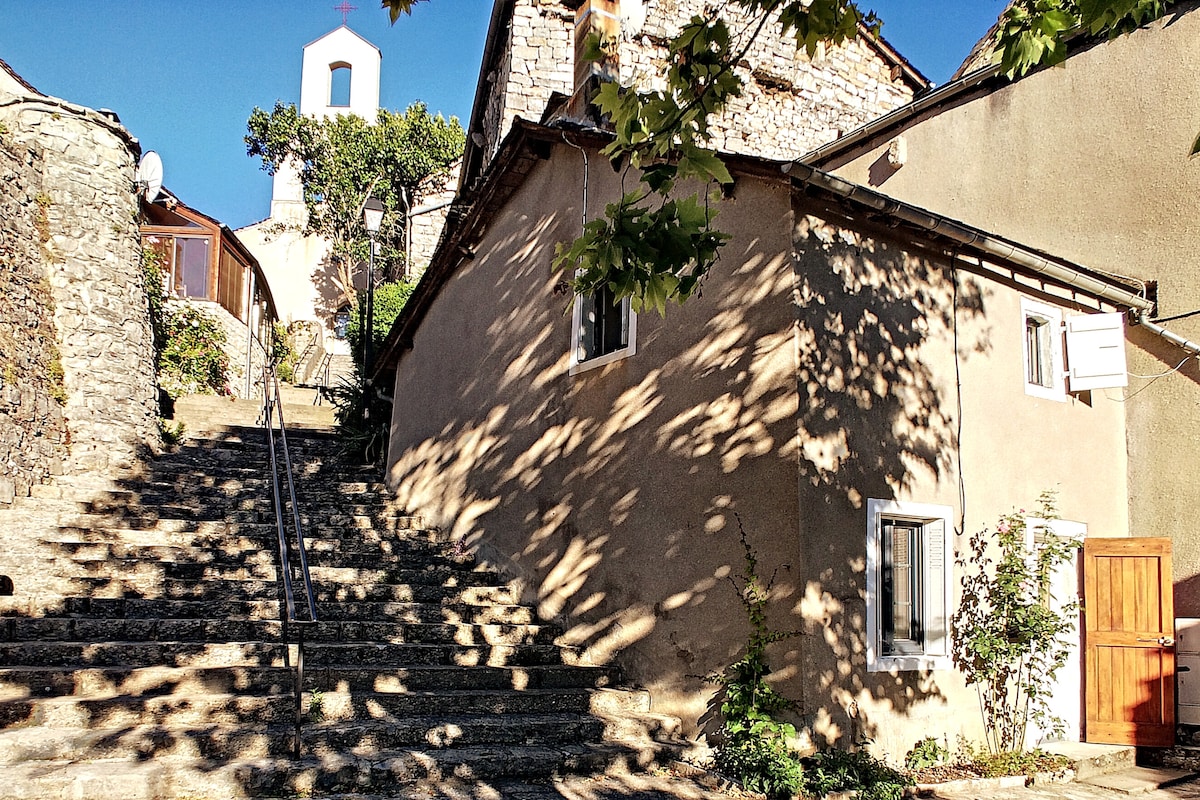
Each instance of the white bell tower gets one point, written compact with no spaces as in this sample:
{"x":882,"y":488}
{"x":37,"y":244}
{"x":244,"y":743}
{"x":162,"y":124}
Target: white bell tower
{"x":339,"y":75}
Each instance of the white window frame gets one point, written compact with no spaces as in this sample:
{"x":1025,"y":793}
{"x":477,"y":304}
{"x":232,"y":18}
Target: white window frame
{"x":1052,"y":319}
{"x":936,"y":634}
{"x":578,"y":363}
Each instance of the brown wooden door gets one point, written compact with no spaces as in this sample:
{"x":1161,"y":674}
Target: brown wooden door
{"x":1129,"y":629}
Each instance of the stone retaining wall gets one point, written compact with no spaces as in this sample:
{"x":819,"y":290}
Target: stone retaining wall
{"x":87,"y":230}
{"x":33,"y":429}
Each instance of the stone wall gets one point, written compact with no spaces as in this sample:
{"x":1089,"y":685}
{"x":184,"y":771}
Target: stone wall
{"x":790,"y":104}
{"x":33,"y":429}
{"x":538,"y":61}
{"x":91,"y":260}
{"x":431,"y":206}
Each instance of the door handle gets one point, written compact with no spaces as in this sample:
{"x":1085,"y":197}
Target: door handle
{"x":1164,"y":641}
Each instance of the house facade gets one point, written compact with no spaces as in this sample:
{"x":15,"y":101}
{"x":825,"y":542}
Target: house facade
{"x":1088,"y":160}
{"x":846,"y":374}
{"x":790,"y":104}
{"x":205,"y":265}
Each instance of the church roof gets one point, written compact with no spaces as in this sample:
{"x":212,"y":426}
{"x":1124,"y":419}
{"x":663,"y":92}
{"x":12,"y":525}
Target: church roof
{"x":349,"y":30}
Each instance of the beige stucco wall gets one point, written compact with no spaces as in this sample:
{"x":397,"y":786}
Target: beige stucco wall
{"x":1089,"y":161}
{"x":802,"y":383}
{"x":879,"y":419}
{"x":303,"y":283}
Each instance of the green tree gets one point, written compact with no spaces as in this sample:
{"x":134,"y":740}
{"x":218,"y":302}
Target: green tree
{"x":343,"y":160}
{"x":388,"y":302}
{"x":655,"y":244}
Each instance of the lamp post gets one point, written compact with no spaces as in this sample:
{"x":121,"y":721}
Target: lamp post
{"x":372,"y":219}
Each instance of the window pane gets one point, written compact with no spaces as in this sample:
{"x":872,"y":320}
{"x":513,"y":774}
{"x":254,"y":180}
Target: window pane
{"x":901,"y":583}
{"x":1038,"y":356}
{"x":191,"y":267}
{"x":339,"y":86}
{"x":604,"y":325}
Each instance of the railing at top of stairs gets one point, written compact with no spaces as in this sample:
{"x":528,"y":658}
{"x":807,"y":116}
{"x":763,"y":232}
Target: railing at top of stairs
{"x":323,"y":378}
{"x":272,"y":414}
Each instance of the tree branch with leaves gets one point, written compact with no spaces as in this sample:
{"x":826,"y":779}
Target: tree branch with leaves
{"x":345,"y":159}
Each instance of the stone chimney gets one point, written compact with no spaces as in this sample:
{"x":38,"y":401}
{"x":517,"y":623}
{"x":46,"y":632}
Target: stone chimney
{"x":600,"y":18}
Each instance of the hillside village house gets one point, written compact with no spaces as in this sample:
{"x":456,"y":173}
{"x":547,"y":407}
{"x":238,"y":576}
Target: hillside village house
{"x":1089,"y":161}
{"x":206,"y":265}
{"x":861,"y":377}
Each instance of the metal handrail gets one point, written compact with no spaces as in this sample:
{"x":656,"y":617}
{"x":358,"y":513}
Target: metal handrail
{"x":272,"y":408}
{"x":323,"y":378}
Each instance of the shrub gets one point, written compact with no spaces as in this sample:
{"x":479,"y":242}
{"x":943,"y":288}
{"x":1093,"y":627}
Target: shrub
{"x":928,"y":752}
{"x":844,"y":770}
{"x":754,"y":748}
{"x":193,"y":358}
{"x":1010,"y":639}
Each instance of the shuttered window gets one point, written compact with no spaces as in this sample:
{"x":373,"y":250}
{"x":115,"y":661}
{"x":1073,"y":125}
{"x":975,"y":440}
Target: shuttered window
{"x":605,"y":330}
{"x":908,"y":586}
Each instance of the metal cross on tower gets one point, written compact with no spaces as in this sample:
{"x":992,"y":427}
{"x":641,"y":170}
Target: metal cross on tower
{"x":345,"y":8}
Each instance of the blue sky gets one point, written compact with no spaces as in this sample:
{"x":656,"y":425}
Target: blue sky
{"x":184,"y":76}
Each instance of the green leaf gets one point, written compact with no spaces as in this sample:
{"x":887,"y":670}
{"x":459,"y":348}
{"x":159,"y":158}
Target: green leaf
{"x":1195,"y":147}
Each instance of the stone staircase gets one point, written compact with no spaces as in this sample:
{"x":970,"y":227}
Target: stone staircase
{"x":142,"y":653}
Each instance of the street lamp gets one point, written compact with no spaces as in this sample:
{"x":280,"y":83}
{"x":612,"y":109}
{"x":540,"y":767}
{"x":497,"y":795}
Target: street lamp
{"x":372,"y":219}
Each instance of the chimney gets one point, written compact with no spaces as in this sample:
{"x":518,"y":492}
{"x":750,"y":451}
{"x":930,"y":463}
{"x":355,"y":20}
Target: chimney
{"x":600,"y":18}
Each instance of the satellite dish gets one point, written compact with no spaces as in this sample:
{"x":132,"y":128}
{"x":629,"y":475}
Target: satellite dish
{"x":150,"y":175}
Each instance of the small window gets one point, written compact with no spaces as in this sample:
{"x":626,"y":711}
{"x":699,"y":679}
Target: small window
{"x":341,"y":323}
{"x":604,"y":330}
{"x":339,"y":85}
{"x":908,"y":586}
{"x":1042,"y":356}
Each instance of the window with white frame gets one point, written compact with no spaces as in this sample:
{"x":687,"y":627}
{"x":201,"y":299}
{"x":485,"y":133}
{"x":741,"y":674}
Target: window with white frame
{"x":1043,"y":350}
{"x":604,"y":330}
{"x":909,"y":558}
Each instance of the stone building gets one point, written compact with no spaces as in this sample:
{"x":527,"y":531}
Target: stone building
{"x":78,"y":389}
{"x":791,"y":103}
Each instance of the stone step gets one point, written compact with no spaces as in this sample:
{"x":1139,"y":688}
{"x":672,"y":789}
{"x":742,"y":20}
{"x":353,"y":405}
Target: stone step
{"x":248,"y":653}
{"x":263,"y":552}
{"x":24,"y":682}
{"x":210,"y":708}
{"x":334,"y":525}
{"x":58,"y":629}
{"x":142,"y":608}
{"x":218,"y":589}
{"x":325,"y":738}
{"x":233,"y":542}
{"x":417,"y":773}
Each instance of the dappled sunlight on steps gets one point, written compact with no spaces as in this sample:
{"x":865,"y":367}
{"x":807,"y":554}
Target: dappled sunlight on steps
{"x":151,"y":663}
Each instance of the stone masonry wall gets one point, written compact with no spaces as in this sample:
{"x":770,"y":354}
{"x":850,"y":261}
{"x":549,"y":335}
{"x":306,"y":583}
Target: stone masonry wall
{"x":427,"y":226}
{"x":93,"y":267}
{"x":538,"y":61}
{"x":33,"y":429}
{"x":790,"y":103}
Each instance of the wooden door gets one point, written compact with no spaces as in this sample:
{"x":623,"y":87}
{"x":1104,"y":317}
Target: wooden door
{"x":1129,"y":629}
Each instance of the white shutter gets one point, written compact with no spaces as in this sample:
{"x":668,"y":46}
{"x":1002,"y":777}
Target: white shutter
{"x":937,"y":624}
{"x":1096,"y":352}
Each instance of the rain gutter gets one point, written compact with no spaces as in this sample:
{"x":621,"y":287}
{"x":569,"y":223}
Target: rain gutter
{"x":991,"y":245}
